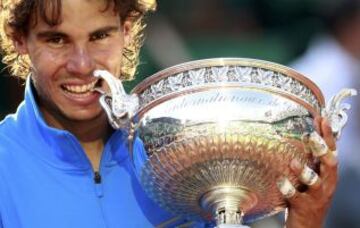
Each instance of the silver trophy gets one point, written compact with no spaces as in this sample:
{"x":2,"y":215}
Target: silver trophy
{"x":209,"y":138}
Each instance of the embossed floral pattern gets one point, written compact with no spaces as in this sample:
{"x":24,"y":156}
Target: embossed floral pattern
{"x":228,"y":74}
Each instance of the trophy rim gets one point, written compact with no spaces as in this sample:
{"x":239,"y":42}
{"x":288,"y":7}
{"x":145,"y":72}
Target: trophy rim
{"x":173,"y":95}
{"x":246,"y":62}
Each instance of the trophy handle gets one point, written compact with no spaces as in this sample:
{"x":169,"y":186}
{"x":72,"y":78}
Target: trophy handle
{"x":335,"y":111}
{"x":118,"y":105}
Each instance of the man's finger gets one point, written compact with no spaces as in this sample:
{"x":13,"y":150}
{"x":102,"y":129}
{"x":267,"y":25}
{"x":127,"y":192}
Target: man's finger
{"x":317,"y":145}
{"x":328,"y":134}
{"x":306,"y":175}
{"x":328,"y":172}
{"x":317,"y":124}
{"x":309,"y":177}
{"x":286,"y":188}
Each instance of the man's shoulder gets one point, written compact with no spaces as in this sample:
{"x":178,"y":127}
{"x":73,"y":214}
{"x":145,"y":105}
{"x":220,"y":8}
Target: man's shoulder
{"x":14,"y":123}
{"x":11,"y":136}
{"x":8,"y":119}
{"x":8,"y":126}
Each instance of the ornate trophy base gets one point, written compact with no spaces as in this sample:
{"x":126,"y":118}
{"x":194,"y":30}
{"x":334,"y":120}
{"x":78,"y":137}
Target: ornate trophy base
{"x":223,"y":173}
{"x":228,"y":204}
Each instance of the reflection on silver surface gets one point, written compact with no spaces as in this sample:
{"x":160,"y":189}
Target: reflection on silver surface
{"x":211,"y":137}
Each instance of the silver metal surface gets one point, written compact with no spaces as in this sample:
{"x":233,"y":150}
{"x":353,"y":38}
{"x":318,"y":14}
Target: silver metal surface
{"x":335,"y":110}
{"x":118,"y":105}
{"x":212,"y":137}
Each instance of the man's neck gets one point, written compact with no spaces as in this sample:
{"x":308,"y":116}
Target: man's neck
{"x":93,"y":151}
{"x":92,"y":134}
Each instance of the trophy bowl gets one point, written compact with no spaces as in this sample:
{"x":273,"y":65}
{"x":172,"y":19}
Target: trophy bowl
{"x":210,"y":138}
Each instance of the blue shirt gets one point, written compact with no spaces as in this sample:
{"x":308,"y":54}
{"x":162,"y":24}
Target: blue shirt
{"x":46,"y":180}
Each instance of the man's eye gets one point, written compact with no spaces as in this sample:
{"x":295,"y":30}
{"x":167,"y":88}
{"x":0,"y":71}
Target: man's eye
{"x":98,"y":36}
{"x":56,"y":41}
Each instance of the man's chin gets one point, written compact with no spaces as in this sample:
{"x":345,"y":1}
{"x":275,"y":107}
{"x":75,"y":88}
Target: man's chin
{"x":86,"y":116}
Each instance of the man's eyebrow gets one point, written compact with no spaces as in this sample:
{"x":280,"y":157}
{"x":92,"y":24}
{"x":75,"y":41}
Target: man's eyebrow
{"x":46,"y":34}
{"x":106,"y":29}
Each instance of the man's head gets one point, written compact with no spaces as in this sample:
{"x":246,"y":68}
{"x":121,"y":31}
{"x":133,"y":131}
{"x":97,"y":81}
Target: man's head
{"x":337,"y":14}
{"x":61,"y":42}
{"x":342,"y":20}
{"x":18,"y":17}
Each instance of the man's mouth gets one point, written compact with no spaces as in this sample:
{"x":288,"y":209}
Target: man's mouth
{"x":83,"y":89}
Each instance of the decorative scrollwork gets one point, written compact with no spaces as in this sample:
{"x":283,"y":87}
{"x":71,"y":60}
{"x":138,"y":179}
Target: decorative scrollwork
{"x":335,"y":111}
{"x":228,"y":74}
{"x":118,"y":105}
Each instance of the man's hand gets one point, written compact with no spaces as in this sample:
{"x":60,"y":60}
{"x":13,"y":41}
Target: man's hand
{"x":308,"y":209}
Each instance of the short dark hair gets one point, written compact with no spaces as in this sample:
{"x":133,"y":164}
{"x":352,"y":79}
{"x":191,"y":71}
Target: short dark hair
{"x":15,"y":17}
{"x":336,"y":14}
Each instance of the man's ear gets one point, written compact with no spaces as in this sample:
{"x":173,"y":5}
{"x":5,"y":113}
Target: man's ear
{"x":17,"y":38}
{"x":20,"y":44}
{"x":127,"y":27}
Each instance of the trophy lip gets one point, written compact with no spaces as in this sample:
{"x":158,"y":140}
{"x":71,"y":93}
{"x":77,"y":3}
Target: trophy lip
{"x":145,"y":109}
{"x":246,"y":62}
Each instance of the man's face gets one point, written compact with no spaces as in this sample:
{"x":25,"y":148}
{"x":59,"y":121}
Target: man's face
{"x":64,"y":57}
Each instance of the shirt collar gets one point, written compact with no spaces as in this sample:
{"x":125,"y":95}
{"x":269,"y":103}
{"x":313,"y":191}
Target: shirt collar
{"x":60,"y":147}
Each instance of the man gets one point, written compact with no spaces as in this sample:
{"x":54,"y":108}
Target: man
{"x":61,"y":165}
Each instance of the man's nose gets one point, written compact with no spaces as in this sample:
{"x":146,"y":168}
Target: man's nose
{"x":80,"y":62}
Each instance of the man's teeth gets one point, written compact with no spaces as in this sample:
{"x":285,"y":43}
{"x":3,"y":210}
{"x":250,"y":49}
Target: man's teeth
{"x":80,"y":88}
